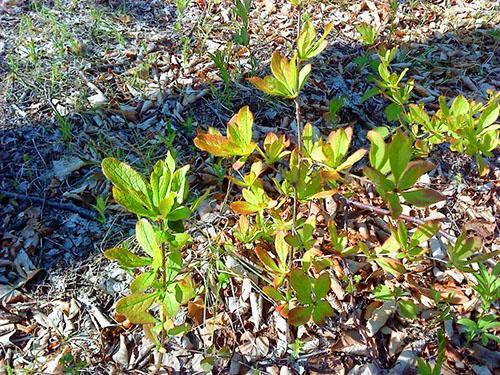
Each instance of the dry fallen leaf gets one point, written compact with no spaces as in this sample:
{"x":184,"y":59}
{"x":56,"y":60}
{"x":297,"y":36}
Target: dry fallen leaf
{"x":253,"y":348}
{"x":379,"y":317}
{"x":121,"y":355}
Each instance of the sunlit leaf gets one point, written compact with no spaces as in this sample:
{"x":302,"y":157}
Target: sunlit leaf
{"x":126,"y":258}
{"x":135,"y":307}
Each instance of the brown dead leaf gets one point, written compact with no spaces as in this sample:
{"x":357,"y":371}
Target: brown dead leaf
{"x":196,"y":311}
{"x":351,"y":342}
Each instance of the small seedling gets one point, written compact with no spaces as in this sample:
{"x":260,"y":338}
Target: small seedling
{"x":368,"y":34}
{"x":100,"y":207}
{"x":480,"y":329}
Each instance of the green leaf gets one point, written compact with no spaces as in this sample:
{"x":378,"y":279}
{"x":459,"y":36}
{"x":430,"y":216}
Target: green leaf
{"x":424,"y":232}
{"x":470,"y":324}
{"x":146,"y":237}
{"x":301,"y":284}
{"x":379,"y":179}
{"x":180,"y":213}
{"x":418,"y":115}
{"x":393,"y":111}
{"x":135,"y":307}
{"x":143,"y":282}
{"x":239,"y":129}
{"x":413,"y":172}
{"x":126,"y":258}
{"x":187,"y":289}
{"x":460,"y":106}
{"x":298,"y":316}
{"x":166,"y":204}
{"x":322,"y":286}
{"x":282,"y":248}
{"x":179,"y":330}
{"x":371,"y":92}
{"x":423,"y":367}
{"x":422,"y":197}
{"x":399,"y":151}
{"x":407,"y":309}
{"x":123,"y":176}
{"x":132,"y":202}
{"x":489,"y":116}
{"x":379,"y":157}
{"x":173,"y":265}
{"x":394,"y":205}
{"x":170,"y":303}
{"x":321,"y":311}
{"x":383,"y":293}
{"x":307,"y":46}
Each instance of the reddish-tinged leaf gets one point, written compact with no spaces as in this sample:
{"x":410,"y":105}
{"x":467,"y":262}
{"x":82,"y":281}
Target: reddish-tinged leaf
{"x":244,"y":208}
{"x":413,"y":172}
{"x":239,"y":128}
{"x":214,"y":144}
{"x":422,"y":197}
{"x":298,"y":316}
{"x":266,"y":259}
{"x":283,"y":309}
{"x":272,"y":293}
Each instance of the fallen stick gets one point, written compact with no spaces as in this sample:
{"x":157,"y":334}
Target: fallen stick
{"x":87,"y":214}
{"x":384,"y":212}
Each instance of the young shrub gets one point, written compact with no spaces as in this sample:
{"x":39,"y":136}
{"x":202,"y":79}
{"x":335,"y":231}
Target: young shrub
{"x":310,"y":292}
{"x":480,"y":329}
{"x":424,"y":368}
{"x":287,"y":78}
{"x":162,"y":198}
{"x":487,"y":285}
{"x":368,"y":33}
{"x":242,"y":11}
{"x":471,"y":128}
{"x":162,"y":283}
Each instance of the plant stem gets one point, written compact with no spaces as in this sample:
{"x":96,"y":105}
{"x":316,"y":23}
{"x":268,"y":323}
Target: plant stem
{"x":298,"y":121}
{"x":299,"y":18}
{"x":162,"y":311}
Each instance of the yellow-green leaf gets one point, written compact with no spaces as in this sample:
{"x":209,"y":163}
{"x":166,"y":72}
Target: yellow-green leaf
{"x":135,"y":307}
{"x":126,"y":258}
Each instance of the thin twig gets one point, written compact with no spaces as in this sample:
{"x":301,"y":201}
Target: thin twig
{"x":87,"y":214}
{"x":384,"y":212}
